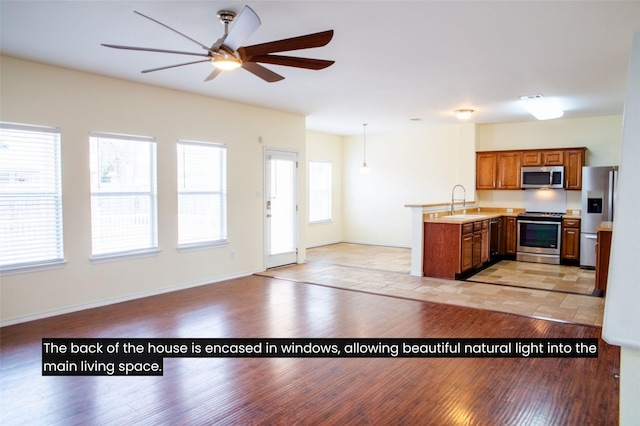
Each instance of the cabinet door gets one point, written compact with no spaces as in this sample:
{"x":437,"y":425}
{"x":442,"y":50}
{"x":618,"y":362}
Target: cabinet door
{"x":484,"y":252}
{"x":531,"y":158}
{"x":477,"y":250}
{"x":486,"y":165}
{"x":571,"y":244}
{"x":509,"y":170}
{"x":510,"y":235}
{"x":573,"y":162}
{"x":466,"y":261}
{"x":553,"y":158}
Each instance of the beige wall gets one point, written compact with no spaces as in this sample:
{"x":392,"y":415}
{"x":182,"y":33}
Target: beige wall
{"x":414,"y":167}
{"x":79,"y":103}
{"x":326,"y":147}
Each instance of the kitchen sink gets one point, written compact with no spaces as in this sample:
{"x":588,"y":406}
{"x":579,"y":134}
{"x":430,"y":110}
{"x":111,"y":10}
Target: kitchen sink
{"x":464,"y":216}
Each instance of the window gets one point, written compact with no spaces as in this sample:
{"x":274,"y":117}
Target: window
{"x":123,"y":195}
{"x":202,"y":193}
{"x":30,"y":196}
{"x":319,"y":191}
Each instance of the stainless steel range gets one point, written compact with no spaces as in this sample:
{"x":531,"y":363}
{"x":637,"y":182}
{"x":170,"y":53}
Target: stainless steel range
{"x":538,"y":236}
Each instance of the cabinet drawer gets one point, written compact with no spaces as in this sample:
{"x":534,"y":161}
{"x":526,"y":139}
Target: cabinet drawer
{"x":477,"y":226}
{"x":467,"y":228}
{"x":485,"y":224}
{"x":571,"y":223}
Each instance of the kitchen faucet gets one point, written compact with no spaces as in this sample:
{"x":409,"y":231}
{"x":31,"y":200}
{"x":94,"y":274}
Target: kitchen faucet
{"x":464,"y":195}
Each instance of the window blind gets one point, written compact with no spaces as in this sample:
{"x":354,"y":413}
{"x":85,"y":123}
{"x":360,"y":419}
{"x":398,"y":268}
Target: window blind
{"x":202,"y":193}
{"x":123,"y":194}
{"x":319,"y":191}
{"x":30,"y":196}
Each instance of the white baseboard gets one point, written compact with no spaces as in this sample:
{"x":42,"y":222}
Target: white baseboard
{"x":376,"y":243}
{"x":113,"y":300}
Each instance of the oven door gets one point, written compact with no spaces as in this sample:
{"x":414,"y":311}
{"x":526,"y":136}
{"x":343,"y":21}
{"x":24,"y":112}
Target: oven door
{"x":539,"y":237}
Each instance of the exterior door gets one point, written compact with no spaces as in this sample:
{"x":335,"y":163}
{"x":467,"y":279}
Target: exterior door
{"x":281,"y":208}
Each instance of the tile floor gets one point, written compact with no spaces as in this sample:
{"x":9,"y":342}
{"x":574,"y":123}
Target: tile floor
{"x":566,"y":279}
{"x":385,"y":270}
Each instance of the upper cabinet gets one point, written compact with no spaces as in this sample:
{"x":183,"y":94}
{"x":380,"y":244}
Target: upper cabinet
{"x":498,"y":170}
{"x":573,"y":162}
{"x":501,"y":169}
{"x":542,"y":158}
{"x":509,"y":170}
{"x":486,"y":170}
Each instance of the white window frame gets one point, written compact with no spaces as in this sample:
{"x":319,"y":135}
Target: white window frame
{"x":149,"y":247}
{"x":213,"y":230}
{"x":24,"y":249}
{"x":325,"y":190}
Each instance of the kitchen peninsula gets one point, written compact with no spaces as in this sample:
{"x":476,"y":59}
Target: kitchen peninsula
{"x":448,"y":246}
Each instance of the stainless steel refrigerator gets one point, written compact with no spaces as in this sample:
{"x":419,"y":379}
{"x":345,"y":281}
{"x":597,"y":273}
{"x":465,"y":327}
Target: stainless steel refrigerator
{"x":598,"y":199}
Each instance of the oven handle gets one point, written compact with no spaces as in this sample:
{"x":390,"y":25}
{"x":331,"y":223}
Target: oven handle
{"x":539,"y":221}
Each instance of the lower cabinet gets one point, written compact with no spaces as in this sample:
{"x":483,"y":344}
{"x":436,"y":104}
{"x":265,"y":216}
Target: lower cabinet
{"x":451,"y":250}
{"x":570,"y":245}
{"x":509,"y":236}
{"x":603,"y":251}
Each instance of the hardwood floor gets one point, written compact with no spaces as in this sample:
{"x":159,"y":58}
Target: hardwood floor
{"x":314,"y":391}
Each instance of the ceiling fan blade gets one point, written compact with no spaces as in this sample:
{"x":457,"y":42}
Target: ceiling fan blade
{"x":174,"y":66}
{"x":150,"y":49}
{"x":243,"y":26}
{"x":294,"y":43}
{"x":213,"y":74}
{"x":292,"y":61}
{"x":262,"y":72}
{"x":169,"y":28}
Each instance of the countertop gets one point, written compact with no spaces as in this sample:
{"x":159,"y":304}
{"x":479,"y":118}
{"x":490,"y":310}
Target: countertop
{"x":465,"y":218}
{"x":475,"y":216}
{"x":605,"y":226}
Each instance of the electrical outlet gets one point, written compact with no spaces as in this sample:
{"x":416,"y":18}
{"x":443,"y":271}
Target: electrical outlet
{"x":509,"y":210}
{"x":575,"y":212}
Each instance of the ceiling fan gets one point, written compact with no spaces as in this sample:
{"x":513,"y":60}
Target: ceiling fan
{"x":227,"y":53}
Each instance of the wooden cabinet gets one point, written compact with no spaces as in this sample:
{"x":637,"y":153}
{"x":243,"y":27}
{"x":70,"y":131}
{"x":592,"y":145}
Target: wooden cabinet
{"x":466,"y":262}
{"x":451,"y":250}
{"x":573,"y":162}
{"x":553,"y":158}
{"x":603,"y":251}
{"x":484,"y":244}
{"x":510,"y":235}
{"x":533,"y":158}
{"x":570,"y":246}
{"x":486,"y":170}
{"x":509,"y":170}
{"x":501,"y":169}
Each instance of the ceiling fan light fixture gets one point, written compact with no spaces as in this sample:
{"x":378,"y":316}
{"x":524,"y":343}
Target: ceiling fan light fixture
{"x":463,"y":114}
{"x":541,"y":108}
{"x":226,"y":63}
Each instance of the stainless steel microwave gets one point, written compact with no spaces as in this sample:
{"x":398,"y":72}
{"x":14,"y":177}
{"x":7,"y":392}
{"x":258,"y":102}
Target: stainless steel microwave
{"x":542,"y":177}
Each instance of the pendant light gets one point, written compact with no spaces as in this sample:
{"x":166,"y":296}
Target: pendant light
{"x":364,"y":168}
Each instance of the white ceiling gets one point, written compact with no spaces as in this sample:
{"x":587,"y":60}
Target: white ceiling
{"x":395,"y":60}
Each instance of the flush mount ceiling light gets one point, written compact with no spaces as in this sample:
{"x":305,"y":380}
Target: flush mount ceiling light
{"x":541,"y":108}
{"x":463,"y":114}
{"x":364,"y":168}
